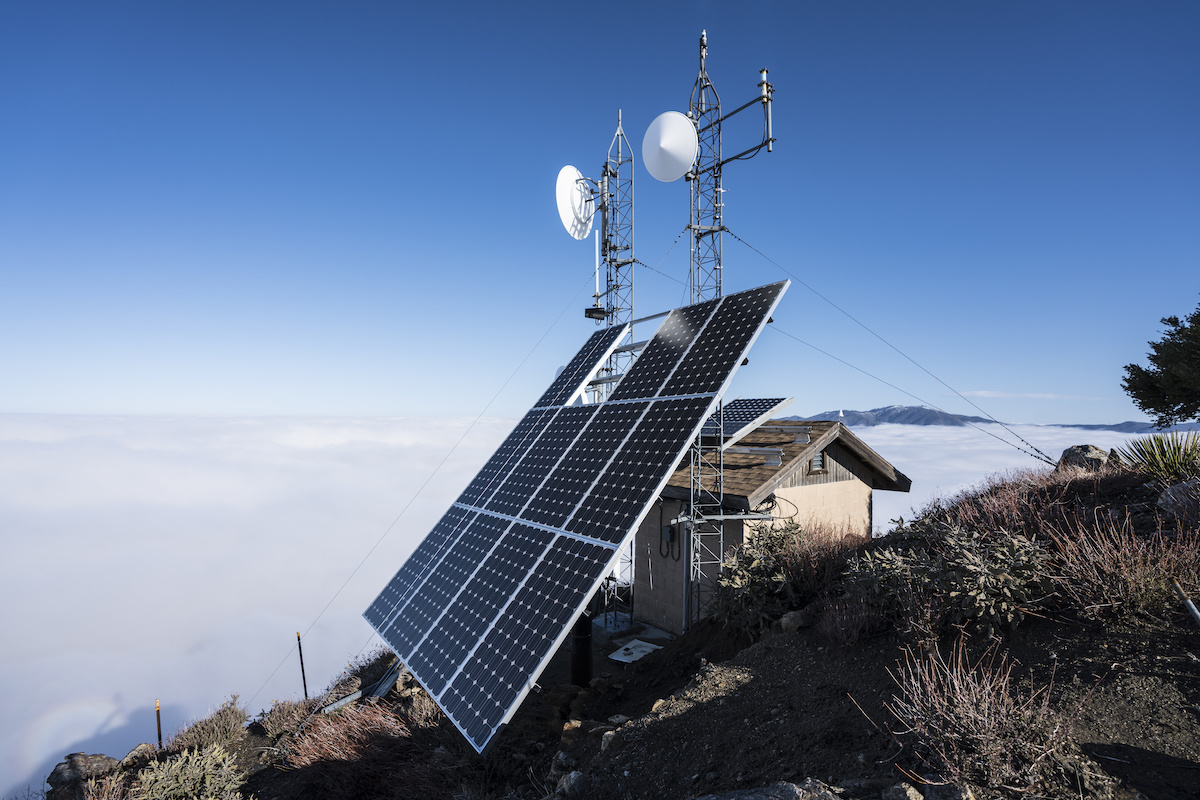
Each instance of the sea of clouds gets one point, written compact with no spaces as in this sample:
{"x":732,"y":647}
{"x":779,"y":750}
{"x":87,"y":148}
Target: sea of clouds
{"x":175,"y":558}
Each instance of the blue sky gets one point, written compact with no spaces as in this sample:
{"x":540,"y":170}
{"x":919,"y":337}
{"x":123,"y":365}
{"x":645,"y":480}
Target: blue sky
{"x":348,"y":209}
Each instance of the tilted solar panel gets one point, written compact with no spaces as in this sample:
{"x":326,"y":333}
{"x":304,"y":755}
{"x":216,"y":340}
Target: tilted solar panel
{"x":483,"y":603}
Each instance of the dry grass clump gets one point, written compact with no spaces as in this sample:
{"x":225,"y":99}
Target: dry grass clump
{"x":972,"y":727}
{"x":114,"y":786}
{"x":221,"y":727}
{"x":1109,"y":567}
{"x":364,"y":750}
{"x":362,"y":671}
{"x":286,"y":716}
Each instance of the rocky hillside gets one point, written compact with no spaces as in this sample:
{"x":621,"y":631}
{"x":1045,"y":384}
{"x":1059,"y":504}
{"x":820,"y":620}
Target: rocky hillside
{"x":1019,"y":641}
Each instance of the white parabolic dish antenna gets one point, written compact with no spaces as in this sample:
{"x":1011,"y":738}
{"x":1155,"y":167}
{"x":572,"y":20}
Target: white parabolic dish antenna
{"x":670,"y":146}
{"x":575,"y":205}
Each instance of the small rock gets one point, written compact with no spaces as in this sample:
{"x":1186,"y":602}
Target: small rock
{"x":611,"y":739}
{"x":658,"y":705}
{"x":795,"y":620}
{"x":618,"y":720}
{"x":948,"y":791}
{"x":572,"y":784}
{"x":902,"y":791}
{"x":138,"y":757}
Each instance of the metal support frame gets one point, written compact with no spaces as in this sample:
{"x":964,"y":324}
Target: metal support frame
{"x":706,"y":546}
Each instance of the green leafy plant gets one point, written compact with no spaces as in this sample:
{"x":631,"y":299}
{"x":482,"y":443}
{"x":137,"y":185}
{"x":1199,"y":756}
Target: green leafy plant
{"x":1167,"y":457}
{"x":201,"y":774}
{"x":777,"y":569}
{"x":988,"y":580}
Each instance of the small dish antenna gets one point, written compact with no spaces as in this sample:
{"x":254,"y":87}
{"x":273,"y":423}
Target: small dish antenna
{"x":575,"y":204}
{"x":670,"y":146}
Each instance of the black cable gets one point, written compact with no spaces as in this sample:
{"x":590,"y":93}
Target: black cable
{"x":853,"y":319}
{"x":421,"y":488}
{"x":1040,"y":456}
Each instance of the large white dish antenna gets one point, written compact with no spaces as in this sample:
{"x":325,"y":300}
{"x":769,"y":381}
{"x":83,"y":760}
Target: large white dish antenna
{"x":670,"y":146}
{"x":575,"y":204}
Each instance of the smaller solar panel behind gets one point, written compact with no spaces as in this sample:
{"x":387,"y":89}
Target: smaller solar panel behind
{"x":744,"y":413}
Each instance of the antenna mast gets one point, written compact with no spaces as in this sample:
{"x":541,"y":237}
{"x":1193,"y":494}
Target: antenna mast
{"x":616,"y":241}
{"x":707,"y":501}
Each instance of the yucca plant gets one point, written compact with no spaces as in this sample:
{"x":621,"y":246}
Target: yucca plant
{"x":1168,"y":457}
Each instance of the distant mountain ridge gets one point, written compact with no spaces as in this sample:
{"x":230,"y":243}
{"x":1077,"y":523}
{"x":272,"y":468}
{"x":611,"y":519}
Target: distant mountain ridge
{"x":921,"y":415}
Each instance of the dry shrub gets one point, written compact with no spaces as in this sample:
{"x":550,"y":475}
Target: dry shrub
{"x":422,"y":713}
{"x":971,"y":727}
{"x":845,"y":620}
{"x":1109,"y":566}
{"x":364,"y":750}
{"x":201,"y":774}
{"x":286,"y":716}
{"x":220,"y":727}
{"x":114,"y":786}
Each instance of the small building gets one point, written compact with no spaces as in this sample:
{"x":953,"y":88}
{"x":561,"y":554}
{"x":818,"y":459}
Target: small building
{"x":810,"y":472}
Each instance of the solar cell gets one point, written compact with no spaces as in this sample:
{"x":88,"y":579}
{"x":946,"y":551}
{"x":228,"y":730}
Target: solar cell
{"x":485,"y":600}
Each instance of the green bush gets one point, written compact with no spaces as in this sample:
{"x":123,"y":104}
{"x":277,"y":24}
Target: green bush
{"x":1167,"y":457}
{"x":203,"y":774}
{"x":969,"y":577}
{"x":778,"y":569}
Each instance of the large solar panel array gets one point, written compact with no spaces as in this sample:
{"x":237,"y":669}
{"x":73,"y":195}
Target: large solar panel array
{"x":740,"y":417}
{"x":486,"y":599}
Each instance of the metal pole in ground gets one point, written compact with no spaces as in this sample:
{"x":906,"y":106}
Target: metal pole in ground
{"x":303,"y":680}
{"x":1187,"y":601}
{"x":158,"y":716}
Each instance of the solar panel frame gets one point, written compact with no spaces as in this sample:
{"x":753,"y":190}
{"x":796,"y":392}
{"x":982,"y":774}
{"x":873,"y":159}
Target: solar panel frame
{"x":450,"y":592}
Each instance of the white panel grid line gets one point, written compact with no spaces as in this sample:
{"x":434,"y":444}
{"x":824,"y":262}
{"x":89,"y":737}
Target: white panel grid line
{"x":550,"y":653}
{"x":599,"y":363}
{"x":548,"y":528}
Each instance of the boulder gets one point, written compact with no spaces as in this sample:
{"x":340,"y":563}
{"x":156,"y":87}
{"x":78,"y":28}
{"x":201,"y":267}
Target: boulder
{"x":1086,"y":457}
{"x":1182,"y":501}
{"x":69,"y":776}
